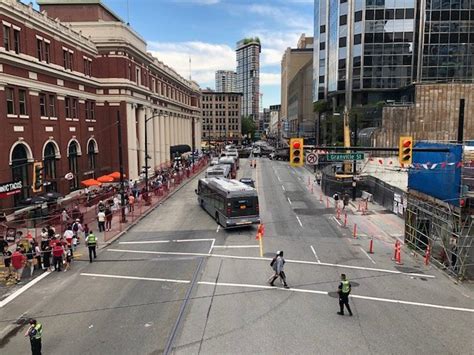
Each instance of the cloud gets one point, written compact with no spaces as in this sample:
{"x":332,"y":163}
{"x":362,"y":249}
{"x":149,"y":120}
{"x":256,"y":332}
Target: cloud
{"x":284,"y":16}
{"x":199,"y":2}
{"x":270,"y":79}
{"x":206,"y":58}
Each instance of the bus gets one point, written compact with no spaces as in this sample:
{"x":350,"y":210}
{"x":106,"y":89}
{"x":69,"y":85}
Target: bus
{"x":220,"y":170}
{"x":233,"y":166}
{"x":231,"y":203}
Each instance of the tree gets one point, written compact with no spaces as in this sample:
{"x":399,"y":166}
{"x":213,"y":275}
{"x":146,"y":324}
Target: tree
{"x":248,"y":126}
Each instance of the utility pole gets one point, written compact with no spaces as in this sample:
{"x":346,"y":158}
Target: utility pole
{"x":354,"y":163}
{"x":146,"y":161}
{"x":122,"y":192}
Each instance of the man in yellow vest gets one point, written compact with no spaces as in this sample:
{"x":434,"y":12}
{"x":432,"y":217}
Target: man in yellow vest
{"x":35,"y":331}
{"x":91,"y":242}
{"x":344,"y":291}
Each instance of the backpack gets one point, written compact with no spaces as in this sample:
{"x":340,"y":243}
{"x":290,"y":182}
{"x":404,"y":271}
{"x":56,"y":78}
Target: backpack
{"x":273,"y":261}
{"x":75,"y":227}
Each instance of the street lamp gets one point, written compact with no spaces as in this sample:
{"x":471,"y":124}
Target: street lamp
{"x":147,"y":201}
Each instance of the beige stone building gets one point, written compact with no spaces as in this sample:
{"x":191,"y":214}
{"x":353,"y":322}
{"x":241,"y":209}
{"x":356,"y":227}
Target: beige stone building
{"x":221,"y":116}
{"x":434,"y":115}
{"x":291,"y":63}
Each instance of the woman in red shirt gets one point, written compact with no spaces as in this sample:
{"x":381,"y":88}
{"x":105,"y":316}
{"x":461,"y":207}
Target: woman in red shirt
{"x":58,"y":252}
{"x":18,"y":263}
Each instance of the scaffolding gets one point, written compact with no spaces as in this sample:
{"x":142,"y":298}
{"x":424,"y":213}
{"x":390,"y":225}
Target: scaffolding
{"x":448,"y":230}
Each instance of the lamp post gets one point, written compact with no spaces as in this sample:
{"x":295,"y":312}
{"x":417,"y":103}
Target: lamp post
{"x":147,"y":201}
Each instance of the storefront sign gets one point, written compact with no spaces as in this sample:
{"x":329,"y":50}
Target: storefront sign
{"x":10,"y":188}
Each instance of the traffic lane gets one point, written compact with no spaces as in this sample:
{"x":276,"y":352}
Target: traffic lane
{"x":250,"y":319}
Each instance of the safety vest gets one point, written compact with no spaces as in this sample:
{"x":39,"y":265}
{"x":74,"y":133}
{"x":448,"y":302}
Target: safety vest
{"x":39,"y":331}
{"x":345,"y":286}
{"x":91,"y":240}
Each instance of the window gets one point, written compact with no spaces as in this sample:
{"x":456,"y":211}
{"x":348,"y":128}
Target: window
{"x":10,"y":94}
{"x":342,"y":42}
{"x":49,"y":164}
{"x":67,"y":106}
{"x":39,"y":49}
{"x":342,"y":20}
{"x":91,"y":154}
{"x":46,"y":52}
{"x":22,"y":102}
{"x":357,"y":39}
{"x":16,"y":41}
{"x":42,"y":101}
{"x":6,"y":37}
{"x":90,"y":108}
{"x":73,"y":165}
{"x":358,"y":16}
{"x":87,"y":67}
{"x":65,"y":60}
{"x":322,"y":46}
{"x":322,"y":29}
{"x":68,"y":57}
{"x":74,"y":108}
{"x":138,"y":76}
{"x":20,"y":171}
{"x":52,"y":106}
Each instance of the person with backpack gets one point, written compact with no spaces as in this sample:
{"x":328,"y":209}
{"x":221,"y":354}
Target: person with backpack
{"x":277,"y":265}
{"x":76,"y":228}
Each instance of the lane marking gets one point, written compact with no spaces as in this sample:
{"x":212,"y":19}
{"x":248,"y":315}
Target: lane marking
{"x":23,"y":289}
{"x":212,"y":246}
{"x":334,"y":218}
{"x":235,"y":246}
{"x":289,"y":201}
{"x":135,"y":278}
{"x":283,"y":187}
{"x":278,"y":178}
{"x":168,"y":241}
{"x":269,"y":259}
{"x":315,"y":255}
{"x":299,"y":221}
{"x":368,"y":298}
{"x":367,"y":255}
{"x":218,"y":228}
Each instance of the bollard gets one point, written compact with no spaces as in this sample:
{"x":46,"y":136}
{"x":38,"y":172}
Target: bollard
{"x":354,"y":231}
{"x":345,"y":219}
{"x":395,"y":250}
{"x":371,"y":245}
{"x":327,"y":202}
{"x":427,"y":254}
{"x":398,"y":254}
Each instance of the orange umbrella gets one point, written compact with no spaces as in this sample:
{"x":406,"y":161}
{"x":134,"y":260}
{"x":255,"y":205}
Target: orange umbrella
{"x":91,"y":182}
{"x":105,"y":178}
{"x":116,"y":175}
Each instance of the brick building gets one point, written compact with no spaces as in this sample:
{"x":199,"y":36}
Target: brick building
{"x":66,"y":73}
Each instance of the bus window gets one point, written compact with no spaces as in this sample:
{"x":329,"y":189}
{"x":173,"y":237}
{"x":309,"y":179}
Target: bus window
{"x":243,"y":206}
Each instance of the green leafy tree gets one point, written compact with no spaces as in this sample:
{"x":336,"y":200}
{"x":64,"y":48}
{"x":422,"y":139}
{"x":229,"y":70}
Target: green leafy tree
{"x":248,"y":126}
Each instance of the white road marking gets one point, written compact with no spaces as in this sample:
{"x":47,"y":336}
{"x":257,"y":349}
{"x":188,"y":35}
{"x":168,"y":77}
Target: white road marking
{"x":337,"y":221}
{"x":373,"y":262}
{"x":283,"y":188}
{"x":289,"y":201}
{"x":368,"y":298}
{"x":23,"y":289}
{"x":218,"y":228}
{"x":269,"y":259}
{"x":235,"y":246}
{"x":135,"y":278}
{"x":212,"y":246}
{"x":299,"y":221}
{"x":169,"y":241}
{"x":315,"y":255}
{"x":278,"y":178}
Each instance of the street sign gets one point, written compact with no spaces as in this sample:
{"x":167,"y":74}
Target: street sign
{"x":344,"y":156}
{"x":312,"y":159}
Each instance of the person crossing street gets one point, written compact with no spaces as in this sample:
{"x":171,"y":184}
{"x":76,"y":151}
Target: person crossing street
{"x":91,"y":242}
{"x":35,"y":332}
{"x":344,"y":291}
{"x":277,"y":265}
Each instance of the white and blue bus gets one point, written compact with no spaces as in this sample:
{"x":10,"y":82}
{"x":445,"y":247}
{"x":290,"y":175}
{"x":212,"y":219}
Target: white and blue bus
{"x":231,"y":203}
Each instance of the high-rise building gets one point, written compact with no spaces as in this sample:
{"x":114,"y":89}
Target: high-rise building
{"x":367,"y":50}
{"x":226,"y":81}
{"x":248,"y":75}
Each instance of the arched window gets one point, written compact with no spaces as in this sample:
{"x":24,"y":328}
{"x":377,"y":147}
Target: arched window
{"x":49,"y":163}
{"x":19,"y":166}
{"x":73,"y":165}
{"x":92,"y":155}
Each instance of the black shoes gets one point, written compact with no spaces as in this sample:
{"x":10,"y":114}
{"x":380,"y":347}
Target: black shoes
{"x":340,"y":313}
{"x":286,"y":286}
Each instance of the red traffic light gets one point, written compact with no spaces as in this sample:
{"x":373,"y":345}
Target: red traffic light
{"x":296,"y":145}
{"x":406,"y":143}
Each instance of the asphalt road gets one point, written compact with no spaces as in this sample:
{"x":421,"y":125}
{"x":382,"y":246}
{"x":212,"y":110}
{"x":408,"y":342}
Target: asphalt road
{"x":177,"y":283}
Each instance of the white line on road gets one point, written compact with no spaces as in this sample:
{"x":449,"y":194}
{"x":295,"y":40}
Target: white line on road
{"x":169,"y":241}
{"x":235,"y":246}
{"x":299,"y":221}
{"x":368,"y":298}
{"x":289,"y":201}
{"x":337,"y":221}
{"x":283,"y":188}
{"x":218,"y":228}
{"x":373,"y":262}
{"x":269,"y":259}
{"x":315,"y":255}
{"x":212,"y":246}
{"x":135,"y":278}
{"x":278,"y":178}
{"x":23,"y":289}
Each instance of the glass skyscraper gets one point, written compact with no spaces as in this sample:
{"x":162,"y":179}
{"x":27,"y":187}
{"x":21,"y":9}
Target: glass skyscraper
{"x":367,"y":50}
{"x":248,"y":75}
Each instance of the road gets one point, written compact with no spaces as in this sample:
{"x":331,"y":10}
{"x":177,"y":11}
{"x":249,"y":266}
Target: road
{"x":178,"y":283}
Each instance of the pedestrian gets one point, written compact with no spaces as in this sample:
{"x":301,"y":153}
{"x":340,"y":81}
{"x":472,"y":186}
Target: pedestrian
{"x":58,"y":252}
{"x":344,"y":291}
{"x":345,"y":200}
{"x":46,"y":256}
{"x":108,"y":219}
{"x":64,"y":218}
{"x":131,"y":202}
{"x":101,"y":221}
{"x":76,"y":229}
{"x":18,"y":263}
{"x":37,"y":253}
{"x":68,"y":257}
{"x":91,"y":242}
{"x":35,"y":332}
{"x":7,"y":261}
{"x":69,"y":233}
{"x":277,"y":265}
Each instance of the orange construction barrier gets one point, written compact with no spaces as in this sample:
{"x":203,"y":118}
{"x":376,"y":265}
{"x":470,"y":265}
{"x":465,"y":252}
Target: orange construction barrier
{"x":398,"y":254}
{"x":354,"y":230}
{"x":371,"y":245}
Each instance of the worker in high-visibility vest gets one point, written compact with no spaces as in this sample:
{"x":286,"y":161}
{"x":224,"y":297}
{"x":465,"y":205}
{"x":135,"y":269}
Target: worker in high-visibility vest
{"x":91,"y":242}
{"x":344,"y":291}
{"x":35,"y":332}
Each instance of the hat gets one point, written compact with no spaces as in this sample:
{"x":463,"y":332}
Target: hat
{"x":78,"y":220}
{"x":278,"y":252}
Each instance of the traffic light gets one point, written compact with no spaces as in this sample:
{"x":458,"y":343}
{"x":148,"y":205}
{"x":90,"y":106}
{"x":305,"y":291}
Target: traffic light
{"x":37,"y":177}
{"x":296,"y":152}
{"x":405,"y":150}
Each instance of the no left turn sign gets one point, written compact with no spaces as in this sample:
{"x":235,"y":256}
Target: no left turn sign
{"x":312,"y":159}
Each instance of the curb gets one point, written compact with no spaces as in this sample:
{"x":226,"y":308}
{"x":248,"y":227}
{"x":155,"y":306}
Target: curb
{"x":133,"y":224}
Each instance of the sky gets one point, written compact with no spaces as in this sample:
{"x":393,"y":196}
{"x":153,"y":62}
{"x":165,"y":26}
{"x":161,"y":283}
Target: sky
{"x":207,"y":31}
